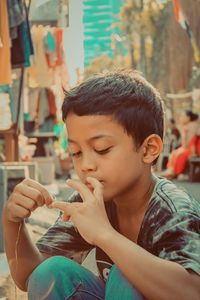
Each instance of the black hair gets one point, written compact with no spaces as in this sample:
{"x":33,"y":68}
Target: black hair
{"x":132,"y":101}
{"x":191,"y":115}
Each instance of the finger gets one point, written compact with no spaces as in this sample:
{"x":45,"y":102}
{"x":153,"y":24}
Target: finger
{"x":20,"y":213}
{"x":48,"y":198}
{"x":29,"y":192}
{"x":67,"y":208}
{"x":81,"y":188}
{"x":65,"y":217}
{"x":97,"y":187}
{"x":26,"y":202}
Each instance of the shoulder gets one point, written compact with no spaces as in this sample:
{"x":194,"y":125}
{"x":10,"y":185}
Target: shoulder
{"x":170,"y":207}
{"x":173,"y":199}
{"x":173,"y":217}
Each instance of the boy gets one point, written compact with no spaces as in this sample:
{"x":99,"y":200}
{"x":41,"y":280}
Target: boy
{"x":145,"y":230}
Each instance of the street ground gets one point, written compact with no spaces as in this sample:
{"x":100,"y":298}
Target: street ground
{"x":42,"y":219}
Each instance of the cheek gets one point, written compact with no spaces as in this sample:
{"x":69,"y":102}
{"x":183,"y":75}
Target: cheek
{"x":76,"y":166}
{"x":123,"y":169}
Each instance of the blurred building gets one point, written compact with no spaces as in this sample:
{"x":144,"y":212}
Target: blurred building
{"x":99,"y":32}
{"x":73,"y":41}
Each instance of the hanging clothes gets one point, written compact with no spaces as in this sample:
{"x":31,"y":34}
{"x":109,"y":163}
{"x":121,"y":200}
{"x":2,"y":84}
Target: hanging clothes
{"x":5,"y":63}
{"x":5,"y":112}
{"x":17,"y":50}
{"x":22,"y":46}
{"x":51,"y":103}
{"x":32,"y":108}
{"x":5,"y":89}
{"x":50,"y":48}
{"x":16,"y":16}
{"x":40,"y":75}
{"x":59,"y":49}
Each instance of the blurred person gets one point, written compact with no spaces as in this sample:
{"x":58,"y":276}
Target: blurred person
{"x":174,"y":135}
{"x":145,"y":230}
{"x":172,"y":140}
{"x":178,"y":159}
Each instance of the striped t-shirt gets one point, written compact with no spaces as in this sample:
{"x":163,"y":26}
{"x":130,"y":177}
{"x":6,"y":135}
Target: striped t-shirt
{"x":170,"y":230}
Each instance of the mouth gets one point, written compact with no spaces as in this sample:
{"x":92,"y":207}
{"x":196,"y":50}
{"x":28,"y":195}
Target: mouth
{"x":89,"y":185}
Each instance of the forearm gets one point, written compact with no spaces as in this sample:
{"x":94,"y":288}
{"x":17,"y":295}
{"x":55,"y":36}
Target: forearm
{"x":22,"y":254}
{"x":155,"y":278}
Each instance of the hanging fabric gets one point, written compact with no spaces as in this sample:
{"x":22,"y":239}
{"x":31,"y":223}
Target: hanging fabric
{"x":22,"y":47}
{"x":5,"y":63}
{"x":39,"y":74}
{"x":5,"y":89}
{"x":16,"y":16}
{"x":181,"y":19}
{"x":5,"y":112}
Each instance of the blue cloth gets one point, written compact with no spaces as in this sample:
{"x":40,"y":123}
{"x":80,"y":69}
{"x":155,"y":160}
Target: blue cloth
{"x":63,"y":279}
{"x":15,"y":12}
{"x":16,"y":16}
{"x":49,"y":43}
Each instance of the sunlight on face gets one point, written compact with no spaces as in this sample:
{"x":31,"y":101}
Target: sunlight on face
{"x":100,"y":148}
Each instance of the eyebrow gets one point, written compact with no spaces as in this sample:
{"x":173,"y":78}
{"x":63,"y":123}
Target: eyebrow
{"x":91,"y":139}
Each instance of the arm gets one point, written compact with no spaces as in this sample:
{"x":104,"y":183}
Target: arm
{"x":23,"y":256}
{"x":155,"y":278}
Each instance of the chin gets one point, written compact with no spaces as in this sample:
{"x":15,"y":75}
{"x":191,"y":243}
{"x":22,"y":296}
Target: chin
{"x":108,"y":196}
{"x":107,"y":199}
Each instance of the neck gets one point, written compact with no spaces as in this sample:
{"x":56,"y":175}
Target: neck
{"x":135,"y":202}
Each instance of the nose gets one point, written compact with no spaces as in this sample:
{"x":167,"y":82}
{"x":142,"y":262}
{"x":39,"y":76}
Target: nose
{"x":88,"y":163}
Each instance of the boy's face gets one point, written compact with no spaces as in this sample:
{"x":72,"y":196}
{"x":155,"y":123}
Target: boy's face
{"x":101,"y":148}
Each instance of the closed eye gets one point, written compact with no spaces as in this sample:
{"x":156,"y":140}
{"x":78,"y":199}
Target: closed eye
{"x":104,"y":151}
{"x":76,"y":154}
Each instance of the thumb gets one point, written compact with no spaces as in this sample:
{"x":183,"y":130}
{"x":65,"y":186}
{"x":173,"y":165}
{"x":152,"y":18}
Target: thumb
{"x":67,"y":208}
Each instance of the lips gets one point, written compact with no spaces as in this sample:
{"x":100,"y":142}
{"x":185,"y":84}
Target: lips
{"x":89,"y":185}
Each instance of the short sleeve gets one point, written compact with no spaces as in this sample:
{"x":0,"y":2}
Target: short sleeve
{"x":63,"y":239}
{"x":177,"y":239}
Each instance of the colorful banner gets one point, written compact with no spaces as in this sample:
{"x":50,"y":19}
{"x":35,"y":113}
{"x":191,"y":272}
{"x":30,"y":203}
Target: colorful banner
{"x":181,"y":19}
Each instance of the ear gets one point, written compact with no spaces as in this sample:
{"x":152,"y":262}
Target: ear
{"x":151,"y":148}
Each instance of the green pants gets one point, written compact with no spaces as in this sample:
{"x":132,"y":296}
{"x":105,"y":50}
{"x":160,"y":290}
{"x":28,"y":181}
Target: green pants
{"x":59,"y":278}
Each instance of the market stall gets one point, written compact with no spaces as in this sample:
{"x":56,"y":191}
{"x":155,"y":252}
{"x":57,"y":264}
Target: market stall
{"x":33,"y":71}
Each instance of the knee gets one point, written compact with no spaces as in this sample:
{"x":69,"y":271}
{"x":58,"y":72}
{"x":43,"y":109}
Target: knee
{"x":115,"y":273}
{"x":119,"y":286}
{"x":50,"y":267}
{"x":49,"y":274}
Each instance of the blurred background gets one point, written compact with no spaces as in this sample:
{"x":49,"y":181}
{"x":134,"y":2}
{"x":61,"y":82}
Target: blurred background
{"x":49,"y":46}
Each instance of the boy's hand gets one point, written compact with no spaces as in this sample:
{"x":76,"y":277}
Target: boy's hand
{"x":26,"y":197}
{"x":89,"y":217}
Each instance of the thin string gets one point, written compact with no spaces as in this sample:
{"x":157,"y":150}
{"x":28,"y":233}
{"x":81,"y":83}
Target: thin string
{"x":16,"y":254}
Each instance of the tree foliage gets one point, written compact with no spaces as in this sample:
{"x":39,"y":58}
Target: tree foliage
{"x":105,"y":63}
{"x":161,"y":47}
{"x":157,"y":45}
